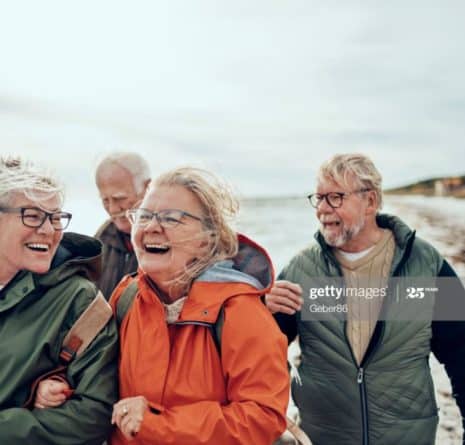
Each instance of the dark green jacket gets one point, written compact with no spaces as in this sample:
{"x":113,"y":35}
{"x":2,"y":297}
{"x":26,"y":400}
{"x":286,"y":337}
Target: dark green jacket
{"x":389,"y":399}
{"x":117,"y":259}
{"x":36,"y":311}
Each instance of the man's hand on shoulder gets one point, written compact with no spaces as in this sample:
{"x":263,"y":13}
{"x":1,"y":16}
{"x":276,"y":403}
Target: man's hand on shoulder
{"x":285,"y":297}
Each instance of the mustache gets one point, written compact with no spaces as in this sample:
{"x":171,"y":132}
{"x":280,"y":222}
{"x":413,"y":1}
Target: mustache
{"x":325,"y":219}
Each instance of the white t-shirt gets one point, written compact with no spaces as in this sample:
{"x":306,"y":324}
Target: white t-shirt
{"x":354,"y":256}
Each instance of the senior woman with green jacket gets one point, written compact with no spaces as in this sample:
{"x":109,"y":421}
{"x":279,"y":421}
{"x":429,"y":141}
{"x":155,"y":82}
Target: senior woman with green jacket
{"x":44,"y":288}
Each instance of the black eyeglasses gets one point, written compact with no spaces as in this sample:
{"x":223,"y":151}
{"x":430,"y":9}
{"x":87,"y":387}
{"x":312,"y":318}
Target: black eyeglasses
{"x":334,"y":199}
{"x":34,"y":217}
{"x":166,"y":218}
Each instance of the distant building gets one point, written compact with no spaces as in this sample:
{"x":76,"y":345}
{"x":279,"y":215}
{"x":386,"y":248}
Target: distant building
{"x":439,"y":188}
{"x":449,"y":186}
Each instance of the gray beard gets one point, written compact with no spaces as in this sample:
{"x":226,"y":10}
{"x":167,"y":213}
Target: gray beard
{"x":345,"y":236}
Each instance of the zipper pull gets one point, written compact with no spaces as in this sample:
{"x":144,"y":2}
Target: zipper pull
{"x":360,"y":376}
{"x":295,"y":374}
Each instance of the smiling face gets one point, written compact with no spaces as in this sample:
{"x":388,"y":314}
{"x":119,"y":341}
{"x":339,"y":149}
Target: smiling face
{"x":163,"y":253}
{"x":343,"y":227}
{"x":118,"y":194}
{"x":27,"y":248}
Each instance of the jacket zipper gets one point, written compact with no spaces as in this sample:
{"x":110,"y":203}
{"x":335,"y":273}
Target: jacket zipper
{"x":360,"y":374}
{"x":362,"y":387}
{"x":361,"y":368}
{"x":180,"y":323}
{"x":363,"y":398}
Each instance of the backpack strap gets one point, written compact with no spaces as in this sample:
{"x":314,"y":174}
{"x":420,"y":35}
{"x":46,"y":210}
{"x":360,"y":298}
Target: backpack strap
{"x":125,"y":301}
{"x":216,"y":329}
{"x":297,"y":432}
{"x":84,"y":330}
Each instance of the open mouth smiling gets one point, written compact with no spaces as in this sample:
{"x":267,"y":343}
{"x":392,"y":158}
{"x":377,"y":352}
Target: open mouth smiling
{"x":38,"y":247}
{"x":156,"y":248}
{"x":327,"y":224}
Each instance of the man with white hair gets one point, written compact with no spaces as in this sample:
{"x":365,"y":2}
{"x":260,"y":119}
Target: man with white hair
{"x":364,"y":375}
{"x":122,"y":179}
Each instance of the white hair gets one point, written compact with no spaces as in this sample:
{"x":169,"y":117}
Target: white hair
{"x":20,"y":176}
{"x":133,"y":163}
{"x":343,"y":168}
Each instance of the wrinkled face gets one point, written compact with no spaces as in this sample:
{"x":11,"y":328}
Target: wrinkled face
{"x":27,"y":248}
{"x":344,"y":224}
{"x":163,"y":253}
{"x":118,"y":194}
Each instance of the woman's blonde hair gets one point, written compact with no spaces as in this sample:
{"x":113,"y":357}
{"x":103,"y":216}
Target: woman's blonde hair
{"x":20,"y":176}
{"x":356,"y":167}
{"x":219,"y":207}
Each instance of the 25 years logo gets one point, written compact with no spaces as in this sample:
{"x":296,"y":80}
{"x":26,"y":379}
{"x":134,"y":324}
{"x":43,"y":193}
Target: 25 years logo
{"x":416,"y":292}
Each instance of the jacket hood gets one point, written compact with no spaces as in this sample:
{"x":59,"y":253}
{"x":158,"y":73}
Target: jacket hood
{"x":250,"y":272}
{"x":76,"y":254}
{"x":251,"y":265}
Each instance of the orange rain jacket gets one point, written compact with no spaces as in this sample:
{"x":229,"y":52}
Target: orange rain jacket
{"x":196,"y":394}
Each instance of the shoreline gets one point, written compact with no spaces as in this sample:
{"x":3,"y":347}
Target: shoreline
{"x":440,"y":226}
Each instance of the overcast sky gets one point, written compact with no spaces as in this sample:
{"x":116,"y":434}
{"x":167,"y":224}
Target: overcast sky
{"x":260,"y":91}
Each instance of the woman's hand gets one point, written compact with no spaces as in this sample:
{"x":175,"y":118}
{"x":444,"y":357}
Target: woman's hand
{"x":51,"y":393}
{"x":128,"y":415}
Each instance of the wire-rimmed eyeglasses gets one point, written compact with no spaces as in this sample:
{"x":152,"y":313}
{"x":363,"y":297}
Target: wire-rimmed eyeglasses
{"x":334,"y":199}
{"x":167,"y":219}
{"x":34,"y":217}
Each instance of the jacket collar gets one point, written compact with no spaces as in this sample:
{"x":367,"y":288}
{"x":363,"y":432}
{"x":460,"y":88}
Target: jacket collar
{"x":109,"y":234}
{"x":403,"y":237}
{"x":76,"y":254}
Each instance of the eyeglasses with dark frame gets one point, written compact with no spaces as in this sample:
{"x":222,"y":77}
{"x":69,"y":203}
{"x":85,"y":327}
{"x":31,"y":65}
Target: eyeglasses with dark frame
{"x":35,"y":217}
{"x":167,"y":219}
{"x":334,"y":199}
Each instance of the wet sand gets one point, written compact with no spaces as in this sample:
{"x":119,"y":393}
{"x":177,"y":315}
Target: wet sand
{"x":445,"y":229}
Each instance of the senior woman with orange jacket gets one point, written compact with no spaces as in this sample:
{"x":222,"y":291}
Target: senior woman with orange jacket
{"x":176,"y":385}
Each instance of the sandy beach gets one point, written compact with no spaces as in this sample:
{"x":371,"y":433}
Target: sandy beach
{"x":441,"y":222}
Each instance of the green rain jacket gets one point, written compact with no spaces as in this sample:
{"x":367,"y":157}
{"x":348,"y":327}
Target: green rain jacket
{"x":36,"y":311}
